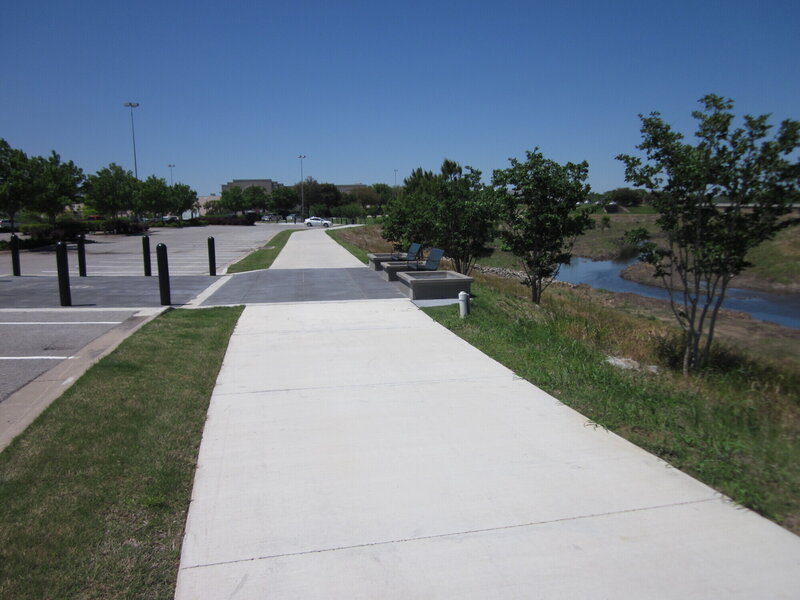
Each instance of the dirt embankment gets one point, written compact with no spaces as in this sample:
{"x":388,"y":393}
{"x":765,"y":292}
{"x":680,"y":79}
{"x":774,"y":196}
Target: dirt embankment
{"x":643,"y":273}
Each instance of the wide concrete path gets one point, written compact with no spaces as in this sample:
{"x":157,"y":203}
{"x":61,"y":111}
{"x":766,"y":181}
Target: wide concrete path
{"x":359,"y":450}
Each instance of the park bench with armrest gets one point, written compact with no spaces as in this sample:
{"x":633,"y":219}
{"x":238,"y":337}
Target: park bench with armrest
{"x":377,"y":259}
{"x":390,"y":269}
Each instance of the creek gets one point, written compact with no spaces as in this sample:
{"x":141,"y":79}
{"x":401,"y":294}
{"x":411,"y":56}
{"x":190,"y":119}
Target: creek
{"x":783,"y":309}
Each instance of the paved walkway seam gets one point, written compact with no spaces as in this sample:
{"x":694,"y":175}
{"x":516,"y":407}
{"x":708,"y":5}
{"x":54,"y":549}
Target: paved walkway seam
{"x":467,"y":532}
{"x":205,"y":294}
{"x":374,"y":385}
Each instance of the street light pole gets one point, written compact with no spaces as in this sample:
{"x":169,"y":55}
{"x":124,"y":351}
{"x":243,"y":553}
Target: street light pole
{"x":170,"y":173}
{"x":302,"y":194}
{"x":133,"y":105}
{"x":395,"y":178}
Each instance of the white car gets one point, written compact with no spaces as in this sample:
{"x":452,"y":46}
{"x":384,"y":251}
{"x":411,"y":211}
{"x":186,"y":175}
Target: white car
{"x":312,"y":221}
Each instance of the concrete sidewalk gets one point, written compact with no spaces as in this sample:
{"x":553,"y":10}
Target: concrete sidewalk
{"x":360,"y":450}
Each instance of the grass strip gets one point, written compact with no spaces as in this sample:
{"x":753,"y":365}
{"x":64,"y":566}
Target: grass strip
{"x":356,"y":251}
{"x":94,"y":494}
{"x":264,"y":257}
{"x":724,"y":429}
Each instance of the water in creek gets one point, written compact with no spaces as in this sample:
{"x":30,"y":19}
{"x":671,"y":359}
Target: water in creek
{"x":783,"y":309}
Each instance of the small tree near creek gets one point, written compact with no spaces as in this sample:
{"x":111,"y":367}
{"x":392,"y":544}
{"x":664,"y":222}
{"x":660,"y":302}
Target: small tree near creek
{"x":716,"y":200}
{"x":542,"y":210}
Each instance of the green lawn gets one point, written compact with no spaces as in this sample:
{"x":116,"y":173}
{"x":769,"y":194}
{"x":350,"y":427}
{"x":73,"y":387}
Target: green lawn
{"x":264,"y":257}
{"x":359,"y":253}
{"x":94,"y":494}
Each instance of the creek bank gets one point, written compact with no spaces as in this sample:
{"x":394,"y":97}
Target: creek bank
{"x":643,"y":273}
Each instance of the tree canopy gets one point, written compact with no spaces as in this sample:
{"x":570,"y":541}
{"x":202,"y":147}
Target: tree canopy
{"x":19,"y":181}
{"x":716,"y":200}
{"x":450,"y":210}
{"x":111,"y":191}
{"x":542,"y":211}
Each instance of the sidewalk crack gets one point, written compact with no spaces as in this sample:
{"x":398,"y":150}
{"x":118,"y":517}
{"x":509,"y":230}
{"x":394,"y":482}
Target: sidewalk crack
{"x":456,"y":534}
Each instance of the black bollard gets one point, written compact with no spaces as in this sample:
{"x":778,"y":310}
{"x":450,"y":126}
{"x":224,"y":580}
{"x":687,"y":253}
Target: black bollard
{"x":212,"y":258}
{"x":15,"y":254}
{"x":163,"y":274}
{"x":82,"y":255}
{"x":63,"y":274}
{"x":146,"y":255}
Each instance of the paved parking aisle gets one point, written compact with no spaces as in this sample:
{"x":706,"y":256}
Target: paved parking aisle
{"x":121,"y":255}
{"x":35,"y":341}
{"x":98,"y":292}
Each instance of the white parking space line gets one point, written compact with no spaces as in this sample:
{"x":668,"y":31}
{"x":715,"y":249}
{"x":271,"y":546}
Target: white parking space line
{"x":61,"y":323}
{"x":36,"y":357}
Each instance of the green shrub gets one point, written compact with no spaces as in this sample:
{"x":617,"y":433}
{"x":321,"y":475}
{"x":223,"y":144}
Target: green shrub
{"x":38,"y":231}
{"x":123,"y":226}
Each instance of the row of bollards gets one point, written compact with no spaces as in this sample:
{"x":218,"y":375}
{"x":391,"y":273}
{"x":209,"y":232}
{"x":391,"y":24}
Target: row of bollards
{"x":62,"y":265}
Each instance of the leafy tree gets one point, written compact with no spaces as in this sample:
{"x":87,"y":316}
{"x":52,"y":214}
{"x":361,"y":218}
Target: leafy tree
{"x":309,"y":192}
{"x":449,"y":210}
{"x":58,"y":185}
{"x":19,"y":181}
{"x":318,"y":210}
{"x":111,"y":190}
{"x":465,"y":216}
{"x":153,"y":197}
{"x":365,"y":197}
{"x":232,"y":200}
{"x":541,"y":206}
{"x":385,"y":194}
{"x":351,"y":211}
{"x":213,"y":207}
{"x":182,"y":198}
{"x":707,"y":243}
{"x":330,"y":196}
{"x":255,"y":198}
{"x":625,"y":196}
{"x":409,"y":217}
{"x":283,"y":200}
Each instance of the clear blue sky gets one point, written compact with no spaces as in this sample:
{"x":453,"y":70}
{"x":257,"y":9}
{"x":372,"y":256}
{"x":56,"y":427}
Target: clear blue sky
{"x":239,"y":89}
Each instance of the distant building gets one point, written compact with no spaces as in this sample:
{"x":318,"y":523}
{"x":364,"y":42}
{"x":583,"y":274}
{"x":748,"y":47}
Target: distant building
{"x":267,"y":184}
{"x":203,"y":201}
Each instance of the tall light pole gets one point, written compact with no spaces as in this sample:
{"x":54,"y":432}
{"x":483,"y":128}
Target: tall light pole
{"x":133,"y":105}
{"x":395,"y":178}
{"x":170,"y":173}
{"x":302,"y":194}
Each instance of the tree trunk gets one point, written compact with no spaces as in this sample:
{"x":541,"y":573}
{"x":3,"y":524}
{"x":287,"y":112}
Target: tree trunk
{"x":536,"y":292}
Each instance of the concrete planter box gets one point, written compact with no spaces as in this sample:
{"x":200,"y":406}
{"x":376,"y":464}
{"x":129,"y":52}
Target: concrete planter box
{"x":433,"y":285}
{"x":391,"y":269}
{"x":376,"y":260}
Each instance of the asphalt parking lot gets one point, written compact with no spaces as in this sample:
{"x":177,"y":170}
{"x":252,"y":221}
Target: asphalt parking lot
{"x":37,"y":340}
{"x":122,"y":255}
{"x":46,"y":346}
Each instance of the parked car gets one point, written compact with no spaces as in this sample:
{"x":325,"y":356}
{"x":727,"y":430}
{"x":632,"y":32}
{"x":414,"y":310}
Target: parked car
{"x":312,"y":221}
{"x":270,"y":218}
{"x":170,"y":219}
